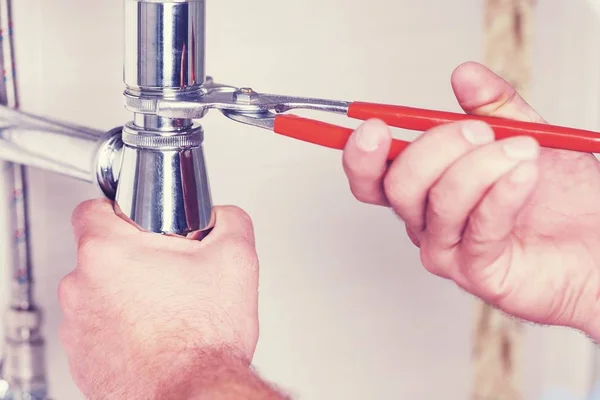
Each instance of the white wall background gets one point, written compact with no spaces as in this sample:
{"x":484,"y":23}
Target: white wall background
{"x":346,"y":310}
{"x":566,"y":91}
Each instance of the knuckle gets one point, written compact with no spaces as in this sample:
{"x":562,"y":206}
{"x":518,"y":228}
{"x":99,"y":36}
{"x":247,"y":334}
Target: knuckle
{"x":441,"y":136}
{"x":477,"y":241}
{"x":439,"y":204}
{"x":85,"y":210}
{"x":431,"y":261}
{"x":242,"y":216}
{"x":396,"y":190}
{"x":68,"y":298}
{"x":90,"y":246}
{"x":363,"y":168}
{"x":360,"y":194}
{"x":413,"y":236}
{"x":480,"y":234}
{"x":494,"y":289}
{"x":404,"y":185}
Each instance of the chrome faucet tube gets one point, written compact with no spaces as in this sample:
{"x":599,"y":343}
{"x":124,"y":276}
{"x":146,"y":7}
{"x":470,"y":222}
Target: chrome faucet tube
{"x":163,"y":184}
{"x":164,"y":46}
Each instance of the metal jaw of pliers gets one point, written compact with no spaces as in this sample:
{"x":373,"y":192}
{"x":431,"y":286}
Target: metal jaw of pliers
{"x":268,"y":111}
{"x":230,"y":99}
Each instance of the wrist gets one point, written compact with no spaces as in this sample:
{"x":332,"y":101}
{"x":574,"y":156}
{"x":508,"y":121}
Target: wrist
{"x":215,"y":374}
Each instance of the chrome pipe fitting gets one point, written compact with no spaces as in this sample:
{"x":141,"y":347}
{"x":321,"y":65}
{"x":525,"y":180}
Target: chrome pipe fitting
{"x":81,"y":153}
{"x":163,"y":183}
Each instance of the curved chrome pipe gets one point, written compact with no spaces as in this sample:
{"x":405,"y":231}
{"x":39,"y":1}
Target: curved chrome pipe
{"x":81,"y":153}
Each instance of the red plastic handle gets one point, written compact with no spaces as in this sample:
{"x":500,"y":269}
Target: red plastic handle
{"x":421,"y":120}
{"x":322,"y":133}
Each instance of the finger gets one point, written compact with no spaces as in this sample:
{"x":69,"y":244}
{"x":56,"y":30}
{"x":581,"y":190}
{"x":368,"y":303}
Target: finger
{"x":463,"y":186}
{"x":414,"y":238}
{"x":97,"y":218}
{"x":488,"y":231}
{"x":481,"y":92}
{"x":230,"y":223}
{"x":422,"y":163}
{"x":365,"y":161}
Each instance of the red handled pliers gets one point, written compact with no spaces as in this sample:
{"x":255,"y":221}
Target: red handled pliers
{"x":268,"y":111}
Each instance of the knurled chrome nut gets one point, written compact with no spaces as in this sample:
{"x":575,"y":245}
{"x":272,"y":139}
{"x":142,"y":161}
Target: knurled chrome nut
{"x":22,"y":319}
{"x":140,"y":105}
{"x":134,"y":136}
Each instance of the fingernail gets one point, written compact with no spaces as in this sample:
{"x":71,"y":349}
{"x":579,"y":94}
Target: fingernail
{"x":521,"y":148}
{"x":477,"y":132}
{"x":367,"y":139}
{"x":523,"y":173}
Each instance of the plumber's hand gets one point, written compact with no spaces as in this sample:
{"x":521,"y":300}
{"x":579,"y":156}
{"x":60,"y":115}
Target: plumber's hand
{"x":508,"y":222}
{"x":142,"y":311}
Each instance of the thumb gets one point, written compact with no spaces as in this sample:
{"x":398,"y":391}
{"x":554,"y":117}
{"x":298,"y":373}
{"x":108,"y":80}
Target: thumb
{"x":230,"y":222}
{"x":479,"y":91}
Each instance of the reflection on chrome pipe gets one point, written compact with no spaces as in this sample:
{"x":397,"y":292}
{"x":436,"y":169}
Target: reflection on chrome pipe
{"x":53,"y":146}
{"x":163,"y":185}
{"x":166,"y":190}
{"x":164,"y":46}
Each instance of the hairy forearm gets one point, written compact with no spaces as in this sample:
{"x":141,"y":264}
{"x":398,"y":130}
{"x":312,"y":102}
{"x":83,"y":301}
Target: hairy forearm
{"x":232,"y":380}
{"x":219,"y":376}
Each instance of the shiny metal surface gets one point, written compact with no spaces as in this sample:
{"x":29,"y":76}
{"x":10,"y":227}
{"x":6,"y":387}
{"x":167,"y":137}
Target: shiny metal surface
{"x":108,"y":162}
{"x":164,"y":47}
{"x":164,"y":106}
{"x":163,"y":185}
{"x":50,"y":145}
{"x":265,"y":120}
{"x":165,"y":191}
{"x":235,"y":101}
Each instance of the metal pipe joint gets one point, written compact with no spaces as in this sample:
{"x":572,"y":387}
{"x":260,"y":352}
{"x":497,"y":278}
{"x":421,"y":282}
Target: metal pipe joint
{"x":153,"y":167}
{"x":163,"y":183}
